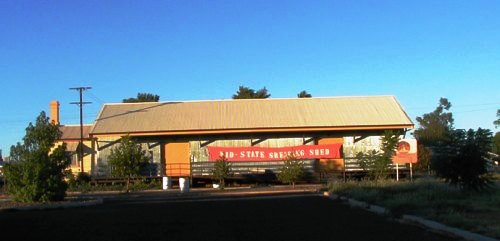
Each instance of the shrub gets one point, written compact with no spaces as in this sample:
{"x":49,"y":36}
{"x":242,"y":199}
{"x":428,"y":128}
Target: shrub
{"x":127,"y":159}
{"x":83,"y":177}
{"x":144,"y":184}
{"x":463,"y":161}
{"x":291,"y":171}
{"x":36,"y":172}
{"x":222,"y":169}
{"x":80,"y":183}
{"x":376,"y":163}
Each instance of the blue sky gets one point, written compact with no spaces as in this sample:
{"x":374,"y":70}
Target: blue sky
{"x":417,"y":51}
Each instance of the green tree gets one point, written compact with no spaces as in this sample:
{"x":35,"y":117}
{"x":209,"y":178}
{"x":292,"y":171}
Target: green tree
{"x":497,"y":122}
{"x":143,"y":97}
{"x":248,"y":93}
{"x":36,"y":171}
{"x":222,"y":170}
{"x":496,"y":138}
{"x":463,"y":160}
{"x":304,"y":94}
{"x":434,"y":129}
{"x":262,"y":94}
{"x":377,"y":163}
{"x":496,"y":143}
{"x":127,"y":159}
{"x":291,"y":171}
{"x":424,"y":159}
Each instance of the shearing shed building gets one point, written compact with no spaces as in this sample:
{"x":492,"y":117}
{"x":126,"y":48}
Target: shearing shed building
{"x":184,"y":138}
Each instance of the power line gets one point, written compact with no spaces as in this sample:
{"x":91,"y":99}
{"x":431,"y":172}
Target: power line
{"x":476,"y":110}
{"x":80,"y":104}
{"x":457,"y":106}
{"x":93,"y":96}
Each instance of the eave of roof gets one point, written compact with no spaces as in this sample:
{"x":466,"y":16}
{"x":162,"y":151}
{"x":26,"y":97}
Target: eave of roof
{"x":261,"y":130}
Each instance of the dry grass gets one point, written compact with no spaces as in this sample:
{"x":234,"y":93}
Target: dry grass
{"x":474,"y":211}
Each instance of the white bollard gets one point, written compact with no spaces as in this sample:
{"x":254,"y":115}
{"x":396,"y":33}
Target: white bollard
{"x":184,"y":184}
{"x":397,"y":172}
{"x":167,"y":183}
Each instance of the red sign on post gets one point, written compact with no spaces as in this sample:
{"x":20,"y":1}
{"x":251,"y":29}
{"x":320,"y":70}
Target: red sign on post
{"x":254,"y":153}
{"x":406,"y":152}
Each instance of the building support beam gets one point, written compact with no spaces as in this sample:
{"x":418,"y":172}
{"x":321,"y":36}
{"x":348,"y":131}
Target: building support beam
{"x":359,"y":138}
{"x":257,"y":141}
{"x":206,"y":143}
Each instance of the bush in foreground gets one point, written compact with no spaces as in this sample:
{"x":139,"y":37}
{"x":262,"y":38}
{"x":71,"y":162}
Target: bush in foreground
{"x":127,"y":159}
{"x":292,"y":170}
{"x":433,"y":199}
{"x":378,"y":163}
{"x":463,"y":161}
{"x":37,"y":170}
{"x":222,"y":170}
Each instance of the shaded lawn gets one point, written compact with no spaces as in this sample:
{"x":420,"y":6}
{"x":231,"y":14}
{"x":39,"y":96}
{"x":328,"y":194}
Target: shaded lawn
{"x":297,"y":218}
{"x":478,"y":212}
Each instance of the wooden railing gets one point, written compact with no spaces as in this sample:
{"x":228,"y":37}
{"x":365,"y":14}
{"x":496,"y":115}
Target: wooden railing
{"x":353,"y":164}
{"x":120,"y":180}
{"x":244,"y":168}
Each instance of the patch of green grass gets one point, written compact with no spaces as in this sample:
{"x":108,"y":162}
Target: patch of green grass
{"x":134,"y":186}
{"x":433,"y":199}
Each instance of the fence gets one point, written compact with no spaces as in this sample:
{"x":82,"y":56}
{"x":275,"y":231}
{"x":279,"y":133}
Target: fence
{"x":246,"y":168}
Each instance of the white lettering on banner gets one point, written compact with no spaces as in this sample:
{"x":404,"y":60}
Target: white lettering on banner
{"x":252,"y":154}
{"x":275,"y":153}
{"x":227,"y":154}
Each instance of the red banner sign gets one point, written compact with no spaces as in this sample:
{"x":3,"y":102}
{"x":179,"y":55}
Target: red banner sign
{"x":254,"y":153}
{"x":406,"y":152}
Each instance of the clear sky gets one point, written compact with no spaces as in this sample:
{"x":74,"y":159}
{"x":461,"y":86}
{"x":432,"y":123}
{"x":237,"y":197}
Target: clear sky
{"x":417,"y":51}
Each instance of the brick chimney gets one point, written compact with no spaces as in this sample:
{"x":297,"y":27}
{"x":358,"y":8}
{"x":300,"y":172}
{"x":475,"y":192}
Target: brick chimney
{"x":54,"y":112}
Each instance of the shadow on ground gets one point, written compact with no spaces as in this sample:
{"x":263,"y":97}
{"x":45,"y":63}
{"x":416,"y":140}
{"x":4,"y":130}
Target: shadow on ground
{"x":288,"y":218}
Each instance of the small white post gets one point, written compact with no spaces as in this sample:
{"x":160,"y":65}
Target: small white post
{"x":397,"y":172}
{"x":411,"y":173}
{"x":167,"y":183}
{"x":184,"y":184}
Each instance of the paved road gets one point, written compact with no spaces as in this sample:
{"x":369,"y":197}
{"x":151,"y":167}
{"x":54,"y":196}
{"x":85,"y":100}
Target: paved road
{"x":159,"y":217}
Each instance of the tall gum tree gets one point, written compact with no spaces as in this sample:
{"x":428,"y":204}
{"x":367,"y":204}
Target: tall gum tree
{"x":434,"y":129}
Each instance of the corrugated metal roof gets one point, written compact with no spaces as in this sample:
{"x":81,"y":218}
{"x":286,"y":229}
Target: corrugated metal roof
{"x":72,"y":132}
{"x":250,"y":114}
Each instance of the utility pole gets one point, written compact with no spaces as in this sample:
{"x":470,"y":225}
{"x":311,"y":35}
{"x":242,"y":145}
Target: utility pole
{"x":81,"y":103}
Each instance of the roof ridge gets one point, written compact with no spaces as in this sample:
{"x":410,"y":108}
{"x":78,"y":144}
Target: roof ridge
{"x":73,"y":125}
{"x":259,"y":99}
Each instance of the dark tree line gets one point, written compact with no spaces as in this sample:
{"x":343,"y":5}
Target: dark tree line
{"x":496,"y":138}
{"x":248,"y":93}
{"x":458,"y":156}
{"x":244,"y":92}
{"x":143,"y":97}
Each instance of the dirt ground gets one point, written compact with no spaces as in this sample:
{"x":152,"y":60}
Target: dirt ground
{"x":152,"y":217}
